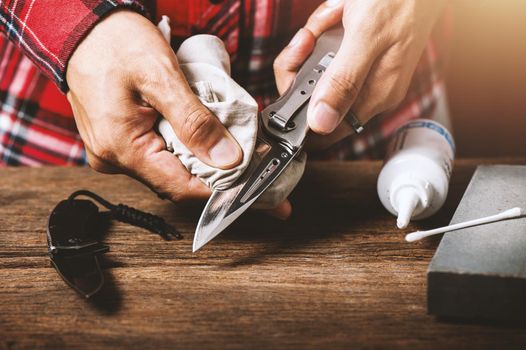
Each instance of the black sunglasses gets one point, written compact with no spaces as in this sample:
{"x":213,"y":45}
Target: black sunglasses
{"x":74,"y":233}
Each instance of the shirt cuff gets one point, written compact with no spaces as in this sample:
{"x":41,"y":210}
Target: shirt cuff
{"x":49,"y":31}
{"x":83,"y":27}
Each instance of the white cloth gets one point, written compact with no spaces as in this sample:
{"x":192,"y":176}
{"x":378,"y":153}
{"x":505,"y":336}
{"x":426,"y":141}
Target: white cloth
{"x":206,"y":66}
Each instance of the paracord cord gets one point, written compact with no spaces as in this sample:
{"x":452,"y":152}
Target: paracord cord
{"x":127,"y":214}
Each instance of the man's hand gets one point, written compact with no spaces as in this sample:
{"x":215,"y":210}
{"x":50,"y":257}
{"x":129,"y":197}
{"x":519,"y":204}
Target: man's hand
{"x":371,"y":72}
{"x":121,"y":77}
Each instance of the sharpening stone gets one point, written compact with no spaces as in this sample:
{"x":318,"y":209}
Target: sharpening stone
{"x":480,"y":272}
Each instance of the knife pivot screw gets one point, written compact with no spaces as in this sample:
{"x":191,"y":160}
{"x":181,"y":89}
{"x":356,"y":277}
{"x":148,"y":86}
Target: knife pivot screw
{"x":303,"y":92}
{"x":312,"y":82}
{"x":284,"y":155}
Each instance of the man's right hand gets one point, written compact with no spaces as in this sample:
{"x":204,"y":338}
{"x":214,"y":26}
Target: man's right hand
{"x":122,"y":77}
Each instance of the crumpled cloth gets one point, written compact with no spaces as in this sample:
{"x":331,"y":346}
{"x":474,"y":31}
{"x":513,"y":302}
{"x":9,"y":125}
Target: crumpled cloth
{"x":206,"y":65}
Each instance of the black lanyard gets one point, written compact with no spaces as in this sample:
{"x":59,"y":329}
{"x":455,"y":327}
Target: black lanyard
{"x":75,"y":229}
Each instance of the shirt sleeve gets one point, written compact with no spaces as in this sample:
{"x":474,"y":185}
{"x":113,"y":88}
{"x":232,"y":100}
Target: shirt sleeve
{"x":48,"y":31}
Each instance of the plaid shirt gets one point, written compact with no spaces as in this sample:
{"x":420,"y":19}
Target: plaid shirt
{"x":39,"y":36}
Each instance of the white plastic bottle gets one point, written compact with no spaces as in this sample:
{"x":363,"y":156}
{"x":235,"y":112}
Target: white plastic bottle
{"x":414,"y":180}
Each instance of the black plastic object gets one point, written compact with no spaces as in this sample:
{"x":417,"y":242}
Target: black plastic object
{"x":73,"y":251}
{"x":74,"y":233}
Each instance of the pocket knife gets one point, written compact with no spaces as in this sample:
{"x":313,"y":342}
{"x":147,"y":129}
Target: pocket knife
{"x":282,"y":131}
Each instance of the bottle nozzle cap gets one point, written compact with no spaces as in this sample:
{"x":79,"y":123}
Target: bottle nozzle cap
{"x":406,"y":202}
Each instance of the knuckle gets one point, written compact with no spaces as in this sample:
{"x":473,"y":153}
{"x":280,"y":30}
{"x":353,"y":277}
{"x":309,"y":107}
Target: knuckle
{"x":174,"y":194}
{"x":95,"y":164}
{"x":276,"y":65}
{"x":102,"y":152}
{"x":344,"y":85}
{"x":165,"y":194}
{"x":174,"y":197}
{"x":197,"y":125}
{"x":177,"y":196}
{"x":179,"y":190}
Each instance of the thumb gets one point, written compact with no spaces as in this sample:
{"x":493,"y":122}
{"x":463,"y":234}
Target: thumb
{"x":194,"y":124}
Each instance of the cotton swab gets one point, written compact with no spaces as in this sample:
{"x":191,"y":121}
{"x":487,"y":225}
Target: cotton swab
{"x":508,"y":214}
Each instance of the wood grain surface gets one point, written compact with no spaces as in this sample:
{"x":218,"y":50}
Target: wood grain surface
{"x":337,"y":275}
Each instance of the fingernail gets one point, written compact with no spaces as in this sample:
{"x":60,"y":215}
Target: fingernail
{"x":325,"y":118}
{"x":295,"y":39}
{"x":224,"y":153}
{"x":333,"y":3}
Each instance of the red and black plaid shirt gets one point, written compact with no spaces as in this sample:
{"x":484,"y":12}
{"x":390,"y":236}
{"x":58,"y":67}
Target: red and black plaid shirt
{"x":39,"y":36}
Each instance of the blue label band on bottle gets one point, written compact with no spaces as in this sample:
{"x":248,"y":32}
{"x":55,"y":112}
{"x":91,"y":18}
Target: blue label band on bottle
{"x":431,"y":125}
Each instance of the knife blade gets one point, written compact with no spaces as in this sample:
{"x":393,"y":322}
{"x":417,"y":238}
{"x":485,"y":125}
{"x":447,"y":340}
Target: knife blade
{"x":281,"y":135}
{"x":224,"y":207}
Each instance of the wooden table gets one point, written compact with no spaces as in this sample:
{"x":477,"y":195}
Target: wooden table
{"x":337,"y":275}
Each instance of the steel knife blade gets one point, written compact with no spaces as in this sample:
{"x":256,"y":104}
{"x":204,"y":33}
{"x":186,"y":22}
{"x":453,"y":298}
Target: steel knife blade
{"x":281,"y":135}
{"x":223,"y":207}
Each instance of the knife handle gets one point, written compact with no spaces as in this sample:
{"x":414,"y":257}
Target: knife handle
{"x":286,"y":118}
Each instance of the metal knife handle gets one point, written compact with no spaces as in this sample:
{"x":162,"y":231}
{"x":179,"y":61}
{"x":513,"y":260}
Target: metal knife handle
{"x":286,"y":118}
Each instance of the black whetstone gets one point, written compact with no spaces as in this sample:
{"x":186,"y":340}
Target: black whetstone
{"x":480,"y":272}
